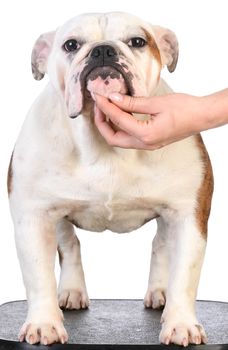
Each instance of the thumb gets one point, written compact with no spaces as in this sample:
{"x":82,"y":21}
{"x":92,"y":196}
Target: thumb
{"x":134,"y":104}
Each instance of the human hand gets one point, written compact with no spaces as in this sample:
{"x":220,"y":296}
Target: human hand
{"x":172,"y":117}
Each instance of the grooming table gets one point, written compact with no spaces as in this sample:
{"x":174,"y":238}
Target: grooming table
{"x":115,"y":325}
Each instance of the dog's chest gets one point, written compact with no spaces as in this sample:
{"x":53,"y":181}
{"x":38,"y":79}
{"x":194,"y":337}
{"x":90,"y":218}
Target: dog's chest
{"x":115,"y":194}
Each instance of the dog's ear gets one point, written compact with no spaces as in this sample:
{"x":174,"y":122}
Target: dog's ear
{"x":168,"y":46}
{"x":40,"y":53}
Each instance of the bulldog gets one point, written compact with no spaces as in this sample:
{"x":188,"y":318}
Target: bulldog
{"x":63,"y":174}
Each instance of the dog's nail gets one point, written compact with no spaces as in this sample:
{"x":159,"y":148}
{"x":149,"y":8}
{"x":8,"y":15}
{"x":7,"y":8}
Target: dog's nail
{"x":31,"y":339}
{"x":167,"y":341}
{"x":185,"y":342}
{"x":21,"y":337}
{"x":204,"y":339}
{"x":45,"y":342}
{"x":61,"y":304}
{"x":63,"y":340}
{"x":115,"y":97}
{"x":197,"y":340}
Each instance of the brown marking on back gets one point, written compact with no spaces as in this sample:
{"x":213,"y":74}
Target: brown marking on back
{"x":153,"y":46}
{"x":206,"y":189}
{"x":10,"y":176}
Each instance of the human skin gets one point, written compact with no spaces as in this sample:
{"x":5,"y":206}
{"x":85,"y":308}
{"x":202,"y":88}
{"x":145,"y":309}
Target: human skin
{"x":172,"y":117}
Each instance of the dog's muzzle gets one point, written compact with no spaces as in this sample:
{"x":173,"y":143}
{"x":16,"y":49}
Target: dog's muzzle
{"x":104,"y":71}
{"x":104,"y":74}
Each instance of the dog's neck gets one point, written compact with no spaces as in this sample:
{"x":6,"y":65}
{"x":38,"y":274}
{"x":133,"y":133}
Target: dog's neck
{"x":89,"y":143}
{"x":82,"y":132}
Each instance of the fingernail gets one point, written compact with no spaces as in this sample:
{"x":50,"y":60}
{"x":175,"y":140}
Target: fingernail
{"x":116,"y":97}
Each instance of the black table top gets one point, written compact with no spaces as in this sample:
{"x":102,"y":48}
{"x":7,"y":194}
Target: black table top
{"x":115,"y":325}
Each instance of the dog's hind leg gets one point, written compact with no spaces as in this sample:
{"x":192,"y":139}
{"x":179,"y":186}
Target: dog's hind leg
{"x":158,"y":277}
{"x":72,"y":293}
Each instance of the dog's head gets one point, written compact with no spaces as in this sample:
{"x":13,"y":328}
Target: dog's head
{"x":103,"y":53}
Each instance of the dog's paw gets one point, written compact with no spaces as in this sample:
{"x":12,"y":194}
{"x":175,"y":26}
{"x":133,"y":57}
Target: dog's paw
{"x":182,"y":333}
{"x":154,"y":299}
{"x":44,"y":325}
{"x":43,"y":333}
{"x":71,"y":299}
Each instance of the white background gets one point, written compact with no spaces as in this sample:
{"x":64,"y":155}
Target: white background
{"x":117,"y":266}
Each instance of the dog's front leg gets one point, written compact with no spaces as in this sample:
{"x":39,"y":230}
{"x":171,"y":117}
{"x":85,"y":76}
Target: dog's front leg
{"x":36,"y":247}
{"x":186,"y":251}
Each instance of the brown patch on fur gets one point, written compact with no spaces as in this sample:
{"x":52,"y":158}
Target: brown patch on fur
{"x":205,"y":191}
{"x":153,"y":46}
{"x":10,"y":176}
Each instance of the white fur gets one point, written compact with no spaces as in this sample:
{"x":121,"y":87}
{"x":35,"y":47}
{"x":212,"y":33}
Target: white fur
{"x":63,"y":171}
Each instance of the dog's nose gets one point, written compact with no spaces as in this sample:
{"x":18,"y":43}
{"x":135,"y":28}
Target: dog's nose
{"x":103,"y":51}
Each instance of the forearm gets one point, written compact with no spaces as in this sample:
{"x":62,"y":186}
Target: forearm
{"x":214,"y":110}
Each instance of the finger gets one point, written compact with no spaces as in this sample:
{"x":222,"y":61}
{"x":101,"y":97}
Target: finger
{"x":123,"y":120}
{"x":148,"y":105}
{"x":99,"y":115}
{"x":110,"y":135}
{"x":103,"y":126}
{"x":115,"y":138}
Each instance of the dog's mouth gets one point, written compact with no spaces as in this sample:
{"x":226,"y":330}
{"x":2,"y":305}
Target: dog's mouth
{"x":97,"y":79}
{"x":105,"y":80}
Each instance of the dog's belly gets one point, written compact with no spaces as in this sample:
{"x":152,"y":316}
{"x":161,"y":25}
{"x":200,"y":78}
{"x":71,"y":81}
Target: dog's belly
{"x":117,"y":216}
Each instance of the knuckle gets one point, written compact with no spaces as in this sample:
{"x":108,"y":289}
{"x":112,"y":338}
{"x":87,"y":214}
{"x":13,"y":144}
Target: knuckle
{"x":146,"y":140}
{"x":111,"y":142}
{"x":131,"y":103}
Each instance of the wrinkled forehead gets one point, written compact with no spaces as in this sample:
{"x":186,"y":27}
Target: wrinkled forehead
{"x":102,"y":26}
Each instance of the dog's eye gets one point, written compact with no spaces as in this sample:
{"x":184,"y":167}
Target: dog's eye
{"x":71,"y":45}
{"x":137,"y":42}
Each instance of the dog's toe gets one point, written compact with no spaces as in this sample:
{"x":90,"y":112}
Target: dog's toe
{"x":154,"y":299}
{"x":73,"y":299}
{"x":43,"y":333}
{"x":182,"y":333}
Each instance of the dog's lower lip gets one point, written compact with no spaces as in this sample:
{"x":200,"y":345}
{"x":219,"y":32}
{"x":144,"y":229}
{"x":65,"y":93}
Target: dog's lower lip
{"x":117,"y":68}
{"x":111,"y":71}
